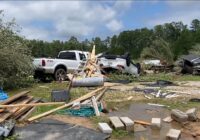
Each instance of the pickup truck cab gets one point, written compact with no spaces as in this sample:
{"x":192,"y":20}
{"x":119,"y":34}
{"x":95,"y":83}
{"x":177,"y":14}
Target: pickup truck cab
{"x":65,"y":62}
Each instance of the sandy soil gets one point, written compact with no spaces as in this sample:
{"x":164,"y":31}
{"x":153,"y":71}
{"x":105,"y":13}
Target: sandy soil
{"x":85,"y":122}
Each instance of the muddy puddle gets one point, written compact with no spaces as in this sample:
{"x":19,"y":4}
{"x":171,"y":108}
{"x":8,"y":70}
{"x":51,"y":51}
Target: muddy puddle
{"x":141,"y":111}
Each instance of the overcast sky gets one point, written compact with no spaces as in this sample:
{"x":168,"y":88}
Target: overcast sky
{"x":52,"y":20}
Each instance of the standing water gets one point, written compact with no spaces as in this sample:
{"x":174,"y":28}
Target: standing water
{"x":145,"y":112}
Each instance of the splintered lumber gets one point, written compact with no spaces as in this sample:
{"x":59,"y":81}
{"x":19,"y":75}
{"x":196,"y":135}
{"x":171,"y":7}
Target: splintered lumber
{"x":84,"y":97}
{"x":15,"y":97}
{"x":142,"y":122}
{"x":32,"y":104}
{"x":9,"y":112}
{"x":100,"y":95}
{"x":27,"y":114}
{"x":24,"y":109}
{"x":95,"y":106}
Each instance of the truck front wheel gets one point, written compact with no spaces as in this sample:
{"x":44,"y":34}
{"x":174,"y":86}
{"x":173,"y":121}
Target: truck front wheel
{"x":60,"y":74}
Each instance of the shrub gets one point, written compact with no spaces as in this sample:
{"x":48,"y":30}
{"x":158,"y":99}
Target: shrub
{"x":15,"y":58}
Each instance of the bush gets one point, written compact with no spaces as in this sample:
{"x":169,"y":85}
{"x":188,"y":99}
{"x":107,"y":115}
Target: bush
{"x":160,"y":50}
{"x":195,"y":49}
{"x":15,"y":58}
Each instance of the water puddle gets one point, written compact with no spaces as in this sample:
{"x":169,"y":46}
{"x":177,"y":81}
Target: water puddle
{"x":141,"y":111}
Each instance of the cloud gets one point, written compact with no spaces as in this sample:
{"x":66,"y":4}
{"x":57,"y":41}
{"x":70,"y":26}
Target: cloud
{"x":114,"y":25}
{"x":67,"y":18}
{"x":123,"y":4}
{"x":184,"y":11}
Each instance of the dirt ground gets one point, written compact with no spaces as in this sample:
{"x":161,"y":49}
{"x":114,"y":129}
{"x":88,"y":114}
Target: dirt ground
{"x":85,"y":122}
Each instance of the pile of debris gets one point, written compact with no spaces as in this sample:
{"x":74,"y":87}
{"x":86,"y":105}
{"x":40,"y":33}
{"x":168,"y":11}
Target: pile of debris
{"x":90,"y":107}
{"x":17,"y":112}
{"x":156,"y":66}
{"x":90,"y":74}
{"x":92,"y":97}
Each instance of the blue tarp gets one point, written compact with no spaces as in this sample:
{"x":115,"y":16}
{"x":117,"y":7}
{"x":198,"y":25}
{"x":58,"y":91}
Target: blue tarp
{"x":3,"y":95}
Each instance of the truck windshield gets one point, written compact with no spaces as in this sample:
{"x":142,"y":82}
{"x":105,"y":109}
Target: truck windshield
{"x":67,"y":55}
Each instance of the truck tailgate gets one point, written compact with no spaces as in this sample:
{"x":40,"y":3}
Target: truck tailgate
{"x":37,"y":62}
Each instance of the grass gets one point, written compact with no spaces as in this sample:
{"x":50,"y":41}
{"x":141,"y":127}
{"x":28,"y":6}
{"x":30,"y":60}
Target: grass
{"x":155,"y":77}
{"x":119,"y":134}
{"x":43,"y":91}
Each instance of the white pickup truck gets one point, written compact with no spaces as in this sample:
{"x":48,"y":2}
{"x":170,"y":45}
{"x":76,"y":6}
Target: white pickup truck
{"x":65,"y":62}
{"x":68,"y":61}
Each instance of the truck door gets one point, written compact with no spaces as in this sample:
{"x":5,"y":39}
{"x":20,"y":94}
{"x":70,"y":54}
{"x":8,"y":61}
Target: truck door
{"x":70,"y":60}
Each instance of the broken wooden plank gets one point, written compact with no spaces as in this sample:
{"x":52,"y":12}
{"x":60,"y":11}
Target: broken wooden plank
{"x":13,"y":98}
{"x":100,"y":95}
{"x":27,"y":114}
{"x":32,"y":104}
{"x":116,"y":122}
{"x":9,"y":112}
{"x":142,"y":122}
{"x":84,"y":97}
{"x":23,"y":110}
{"x":95,"y":106}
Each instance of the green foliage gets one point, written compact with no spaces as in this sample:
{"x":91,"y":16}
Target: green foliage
{"x":178,"y":36}
{"x":16,"y":61}
{"x":160,"y":49}
{"x":195,"y":49}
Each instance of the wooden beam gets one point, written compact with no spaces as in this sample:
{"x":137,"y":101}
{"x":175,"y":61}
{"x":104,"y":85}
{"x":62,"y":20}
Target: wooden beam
{"x":32,"y":104}
{"x":100,"y":95}
{"x":84,"y":97}
{"x":27,"y":115}
{"x":142,"y":122}
{"x":9,"y":112}
{"x":13,"y":98}
{"x":95,"y":106}
{"x":23,"y":110}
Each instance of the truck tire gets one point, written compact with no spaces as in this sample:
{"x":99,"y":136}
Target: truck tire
{"x":60,"y":74}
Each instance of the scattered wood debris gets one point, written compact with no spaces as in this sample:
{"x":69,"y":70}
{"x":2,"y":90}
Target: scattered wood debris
{"x":11,"y":109}
{"x":81,"y":99}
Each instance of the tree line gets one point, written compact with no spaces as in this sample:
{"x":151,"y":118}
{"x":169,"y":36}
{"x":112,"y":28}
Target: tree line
{"x":179,"y":37}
